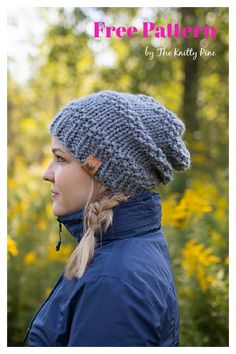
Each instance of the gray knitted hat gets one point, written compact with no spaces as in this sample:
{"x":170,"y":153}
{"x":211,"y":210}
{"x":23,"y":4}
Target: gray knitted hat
{"x":129,"y":142}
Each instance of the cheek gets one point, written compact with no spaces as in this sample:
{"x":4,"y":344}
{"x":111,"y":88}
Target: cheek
{"x":71,"y":180}
{"x":73,"y":185}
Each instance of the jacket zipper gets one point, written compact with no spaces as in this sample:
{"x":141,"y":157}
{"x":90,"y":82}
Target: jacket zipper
{"x":31,"y":323}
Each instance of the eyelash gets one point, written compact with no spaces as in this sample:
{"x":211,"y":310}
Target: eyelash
{"x":59,"y":157}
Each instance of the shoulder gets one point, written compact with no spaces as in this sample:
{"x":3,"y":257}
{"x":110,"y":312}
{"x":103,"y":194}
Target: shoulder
{"x":115,"y":293}
{"x":142,"y":262}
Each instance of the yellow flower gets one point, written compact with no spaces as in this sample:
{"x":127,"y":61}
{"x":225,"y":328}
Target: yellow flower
{"x":201,"y":276}
{"x":11,"y":247}
{"x":62,"y":255}
{"x":196,"y":260}
{"x":193,"y":203}
{"x":221,"y":209}
{"x":226,"y":260}
{"x":48,"y":208}
{"x":210,"y":280}
{"x":41,"y":225}
{"x":11,"y":183}
{"x":31,"y":258}
{"x":47,"y":292}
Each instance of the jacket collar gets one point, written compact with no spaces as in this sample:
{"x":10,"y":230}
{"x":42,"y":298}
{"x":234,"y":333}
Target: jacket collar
{"x":139,"y":214}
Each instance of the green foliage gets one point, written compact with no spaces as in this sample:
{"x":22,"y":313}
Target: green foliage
{"x":195,"y":205}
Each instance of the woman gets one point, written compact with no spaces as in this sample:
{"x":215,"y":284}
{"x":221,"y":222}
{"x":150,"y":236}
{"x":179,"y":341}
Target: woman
{"x":110,"y":150}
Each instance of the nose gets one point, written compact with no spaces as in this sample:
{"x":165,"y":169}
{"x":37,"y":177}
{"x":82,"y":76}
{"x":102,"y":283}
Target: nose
{"x":48,"y":175}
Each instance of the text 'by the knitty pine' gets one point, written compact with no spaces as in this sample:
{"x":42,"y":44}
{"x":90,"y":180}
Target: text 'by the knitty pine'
{"x":150,"y":29}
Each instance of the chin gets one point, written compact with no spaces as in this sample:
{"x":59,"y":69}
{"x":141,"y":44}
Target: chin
{"x":56,"y":211}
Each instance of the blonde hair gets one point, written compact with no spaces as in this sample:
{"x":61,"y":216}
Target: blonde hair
{"x":98,"y":215}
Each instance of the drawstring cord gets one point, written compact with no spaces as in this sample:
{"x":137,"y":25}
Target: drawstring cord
{"x":60,"y":233}
{"x":59,"y":240}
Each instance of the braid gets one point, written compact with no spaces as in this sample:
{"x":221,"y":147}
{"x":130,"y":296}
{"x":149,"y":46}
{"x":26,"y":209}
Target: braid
{"x":98,"y":216}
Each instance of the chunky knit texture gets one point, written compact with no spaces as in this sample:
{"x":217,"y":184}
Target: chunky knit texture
{"x":136,"y":138}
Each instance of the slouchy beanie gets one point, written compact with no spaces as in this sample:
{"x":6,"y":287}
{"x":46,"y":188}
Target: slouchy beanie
{"x":129,"y":142}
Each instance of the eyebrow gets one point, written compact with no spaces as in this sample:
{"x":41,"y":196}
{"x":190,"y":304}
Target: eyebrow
{"x":57,"y":149}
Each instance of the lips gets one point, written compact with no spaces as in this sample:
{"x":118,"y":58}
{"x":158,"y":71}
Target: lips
{"x":53,"y":192}
{"x":54,"y":195}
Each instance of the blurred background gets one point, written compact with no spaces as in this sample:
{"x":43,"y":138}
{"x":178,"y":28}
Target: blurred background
{"x":53,"y":59}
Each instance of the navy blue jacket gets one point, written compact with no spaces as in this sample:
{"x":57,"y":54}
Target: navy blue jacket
{"x":127,"y":295}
